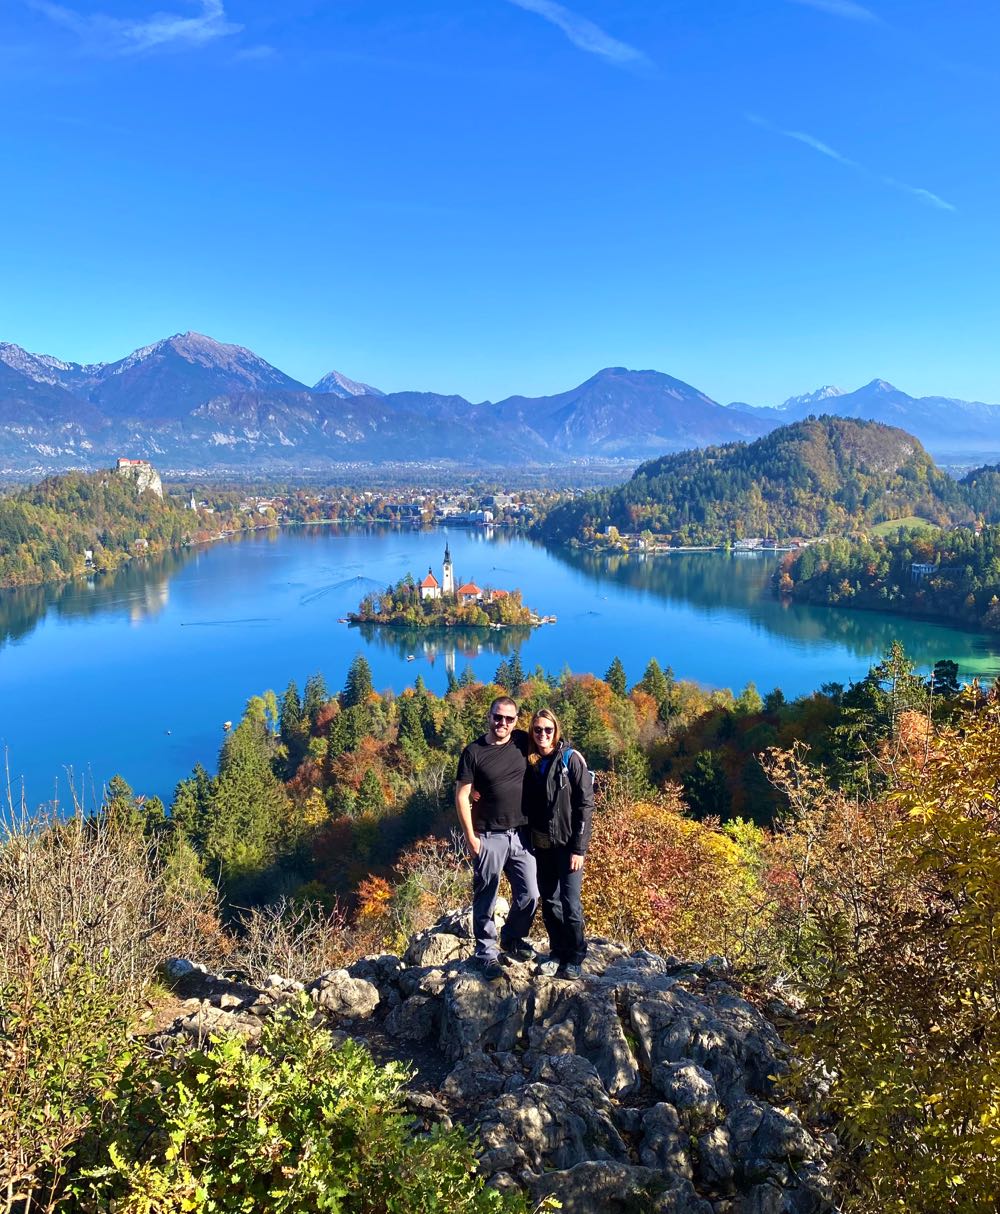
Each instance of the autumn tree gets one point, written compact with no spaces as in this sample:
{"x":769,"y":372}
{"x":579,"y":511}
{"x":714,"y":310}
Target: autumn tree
{"x":895,"y":914}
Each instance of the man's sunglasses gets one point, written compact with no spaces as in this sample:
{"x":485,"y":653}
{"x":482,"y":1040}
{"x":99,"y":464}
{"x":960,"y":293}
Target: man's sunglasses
{"x":542,"y":729}
{"x":500,"y":719}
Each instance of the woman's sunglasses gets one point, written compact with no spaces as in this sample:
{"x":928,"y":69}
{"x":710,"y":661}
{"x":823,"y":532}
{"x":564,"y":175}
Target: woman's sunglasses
{"x":542,"y":729}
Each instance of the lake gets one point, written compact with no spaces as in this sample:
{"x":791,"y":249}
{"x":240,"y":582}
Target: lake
{"x":136,"y":673}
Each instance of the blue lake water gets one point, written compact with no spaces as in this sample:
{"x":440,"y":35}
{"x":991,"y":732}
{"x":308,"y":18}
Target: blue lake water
{"x":137,"y":672}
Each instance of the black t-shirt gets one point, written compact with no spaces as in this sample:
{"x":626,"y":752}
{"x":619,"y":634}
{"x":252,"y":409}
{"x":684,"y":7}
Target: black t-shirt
{"x":497,"y":774}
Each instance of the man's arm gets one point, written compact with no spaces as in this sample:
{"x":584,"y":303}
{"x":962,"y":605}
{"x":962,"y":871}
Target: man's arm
{"x":463,"y":805}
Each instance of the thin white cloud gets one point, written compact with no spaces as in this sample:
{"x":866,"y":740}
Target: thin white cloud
{"x":158,"y":31}
{"x":810,"y":141}
{"x":932,"y":200}
{"x":584,"y":34}
{"x":841,"y":8}
{"x":818,"y":145}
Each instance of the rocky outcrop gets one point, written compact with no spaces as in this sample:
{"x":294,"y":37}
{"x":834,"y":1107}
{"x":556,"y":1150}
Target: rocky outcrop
{"x":143,"y":473}
{"x":648,"y":1085}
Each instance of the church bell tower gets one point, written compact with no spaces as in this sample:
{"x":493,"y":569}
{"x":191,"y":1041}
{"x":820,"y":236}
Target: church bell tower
{"x":447,"y":573}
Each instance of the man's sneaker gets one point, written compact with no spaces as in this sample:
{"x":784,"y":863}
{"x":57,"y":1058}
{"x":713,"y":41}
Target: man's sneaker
{"x":570,"y":970}
{"x":492,"y":969}
{"x":524,"y":951}
{"x":548,"y":968}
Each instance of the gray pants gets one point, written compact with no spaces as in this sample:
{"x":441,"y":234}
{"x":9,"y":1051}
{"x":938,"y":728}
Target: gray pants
{"x":503,"y":852}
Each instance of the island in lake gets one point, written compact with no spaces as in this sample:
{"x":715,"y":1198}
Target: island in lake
{"x":435,"y":604}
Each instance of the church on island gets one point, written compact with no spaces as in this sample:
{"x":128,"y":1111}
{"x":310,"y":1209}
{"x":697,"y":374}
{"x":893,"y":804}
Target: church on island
{"x":446,"y":603}
{"x":469,"y":592}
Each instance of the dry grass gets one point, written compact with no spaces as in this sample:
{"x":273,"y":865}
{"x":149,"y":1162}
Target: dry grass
{"x":295,"y":940}
{"x":89,"y":908}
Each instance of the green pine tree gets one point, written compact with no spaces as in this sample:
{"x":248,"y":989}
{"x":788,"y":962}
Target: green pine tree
{"x":358,"y":688}
{"x":371,"y":798}
{"x":516,"y":671}
{"x":615,"y":677}
{"x":249,"y":806}
{"x":314,"y":698}
{"x":654,"y":682}
{"x":291,"y":715}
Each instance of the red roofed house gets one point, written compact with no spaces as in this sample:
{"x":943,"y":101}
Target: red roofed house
{"x":469,"y":593}
{"x":430,"y":587}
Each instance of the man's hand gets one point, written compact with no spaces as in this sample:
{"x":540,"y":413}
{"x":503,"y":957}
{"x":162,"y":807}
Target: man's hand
{"x":463,"y":804}
{"x":575,"y":863}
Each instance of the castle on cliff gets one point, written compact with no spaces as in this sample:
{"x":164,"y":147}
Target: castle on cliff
{"x":142,"y":472}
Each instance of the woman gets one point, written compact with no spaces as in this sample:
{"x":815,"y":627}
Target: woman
{"x":559,"y":804}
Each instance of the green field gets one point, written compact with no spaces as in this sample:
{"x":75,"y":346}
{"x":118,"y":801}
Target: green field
{"x":891,"y":526}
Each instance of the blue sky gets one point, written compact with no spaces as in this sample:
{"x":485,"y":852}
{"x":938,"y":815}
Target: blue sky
{"x":497,"y":196}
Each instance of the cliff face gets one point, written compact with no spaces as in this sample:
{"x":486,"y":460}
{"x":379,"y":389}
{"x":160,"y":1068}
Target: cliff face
{"x":650,"y":1084}
{"x":145,"y":476}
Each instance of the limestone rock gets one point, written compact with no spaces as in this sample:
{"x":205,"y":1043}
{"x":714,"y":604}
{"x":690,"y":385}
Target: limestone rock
{"x":664,"y":1144}
{"x":648,"y":1085}
{"x":689,"y":1088}
{"x":476,"y":1014}
{"x":336,"y":991}
{"x":617,"y":1188}
{"x":414,"y":1019}
{"x":437,"y":948}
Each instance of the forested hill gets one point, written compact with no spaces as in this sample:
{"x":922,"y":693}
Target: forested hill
{"x":953,"y":575}
{"x":47,"y":530}
{"x":819,"y":476}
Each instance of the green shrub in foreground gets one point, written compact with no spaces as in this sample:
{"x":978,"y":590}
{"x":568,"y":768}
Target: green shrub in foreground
{"x":62,"y":1046}
{"x":288,"y":1126}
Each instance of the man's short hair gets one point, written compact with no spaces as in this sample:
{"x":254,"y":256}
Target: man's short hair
{"x":503,"y":700}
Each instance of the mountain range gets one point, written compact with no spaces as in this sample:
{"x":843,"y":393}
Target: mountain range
{"x":195,"y":404}
{"x":946,"y":426}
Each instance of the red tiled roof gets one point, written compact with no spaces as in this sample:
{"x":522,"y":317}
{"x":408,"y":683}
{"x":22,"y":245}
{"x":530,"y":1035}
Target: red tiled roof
{"x":469,"y":588}
{"x":500,"y":594}
{"x":429,"y":581}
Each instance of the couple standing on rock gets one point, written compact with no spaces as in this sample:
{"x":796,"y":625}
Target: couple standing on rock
{"x":525,"y":802}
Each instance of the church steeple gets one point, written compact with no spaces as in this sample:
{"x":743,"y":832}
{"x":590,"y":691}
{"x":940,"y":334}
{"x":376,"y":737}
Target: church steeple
{"x":447,"y":573}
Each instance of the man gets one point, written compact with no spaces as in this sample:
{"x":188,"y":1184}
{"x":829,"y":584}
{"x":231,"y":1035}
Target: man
{"x":488,"y":800}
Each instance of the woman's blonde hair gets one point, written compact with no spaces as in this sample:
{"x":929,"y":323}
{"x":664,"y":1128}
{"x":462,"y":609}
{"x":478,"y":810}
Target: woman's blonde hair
{"x":545,"y":714}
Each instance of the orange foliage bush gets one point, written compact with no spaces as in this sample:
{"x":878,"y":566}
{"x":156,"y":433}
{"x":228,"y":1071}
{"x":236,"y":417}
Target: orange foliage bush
{"x":657,"y":879}
{"x":349,"y":768}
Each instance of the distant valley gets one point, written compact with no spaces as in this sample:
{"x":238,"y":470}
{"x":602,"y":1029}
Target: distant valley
{"x":197,"y":405}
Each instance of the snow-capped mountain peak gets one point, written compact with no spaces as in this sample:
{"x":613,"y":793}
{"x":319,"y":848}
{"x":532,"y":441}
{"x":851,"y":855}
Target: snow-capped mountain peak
{"x":812,"y":398}
{"x":340,"y":385}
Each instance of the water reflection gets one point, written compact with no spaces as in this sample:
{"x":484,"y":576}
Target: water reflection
{"x":446,"y":645}
{"x":738,"y":585}
{"x":138,"y":591}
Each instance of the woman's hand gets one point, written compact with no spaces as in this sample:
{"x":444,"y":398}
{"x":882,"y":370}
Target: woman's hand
{"x":575,"y":863}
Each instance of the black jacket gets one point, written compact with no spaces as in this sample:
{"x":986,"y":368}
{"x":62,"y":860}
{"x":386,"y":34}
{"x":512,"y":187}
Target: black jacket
{"x":560,"y":802}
